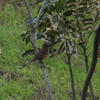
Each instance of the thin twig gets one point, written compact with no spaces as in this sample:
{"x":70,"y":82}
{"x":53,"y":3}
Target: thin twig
{"x":33,"y":30}
{"x":71,"y":74}
{"x":93,"y":64}
{"x":47,"y":80}
{"x":45,"y":2}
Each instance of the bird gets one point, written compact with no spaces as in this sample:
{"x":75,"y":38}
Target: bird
{"x":43,"y":53}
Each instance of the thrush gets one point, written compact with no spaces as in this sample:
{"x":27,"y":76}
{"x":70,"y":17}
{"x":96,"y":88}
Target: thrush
{"x":42,"y":53}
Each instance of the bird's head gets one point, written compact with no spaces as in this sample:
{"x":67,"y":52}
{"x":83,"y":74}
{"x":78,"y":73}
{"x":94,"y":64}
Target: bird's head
{"x":46,"y":45}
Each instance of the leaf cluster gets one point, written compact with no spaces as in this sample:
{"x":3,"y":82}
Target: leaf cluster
{"x":67,"y":23}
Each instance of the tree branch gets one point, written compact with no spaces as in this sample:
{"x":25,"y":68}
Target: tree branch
{"x":93,"y":64}
{"x":71,"y":75}
{"x":87,"y":67}
{"x":33,"y":31}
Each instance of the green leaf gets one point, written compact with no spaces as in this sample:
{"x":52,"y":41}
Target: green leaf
{"x":89,"y":20}
{"x":27,"y":39}
{"x":59,"y":5}
{"x":28,"y":52}
{"x":23,"y":34}
{"x":68,"y":13}
{"x":70,"y":1}
{"x":71,"y":6}
{"x":82,"y":9}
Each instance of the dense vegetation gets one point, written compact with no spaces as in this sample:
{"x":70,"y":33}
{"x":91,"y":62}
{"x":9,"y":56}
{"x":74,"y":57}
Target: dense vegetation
{"x":20,"y":82}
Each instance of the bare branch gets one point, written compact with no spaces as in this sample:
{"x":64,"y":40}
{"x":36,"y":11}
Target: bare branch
{"x":45,"y":2}
{"x":33,"y":31}
{"x":71,"y":75}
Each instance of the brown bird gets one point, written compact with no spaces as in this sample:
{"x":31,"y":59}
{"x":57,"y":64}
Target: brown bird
{"x":42,"y":53}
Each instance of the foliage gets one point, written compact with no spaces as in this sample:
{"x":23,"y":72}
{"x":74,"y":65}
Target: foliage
{"x":66,"y":22}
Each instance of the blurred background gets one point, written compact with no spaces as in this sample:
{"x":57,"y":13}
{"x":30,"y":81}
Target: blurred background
{"x":20,"y":82}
